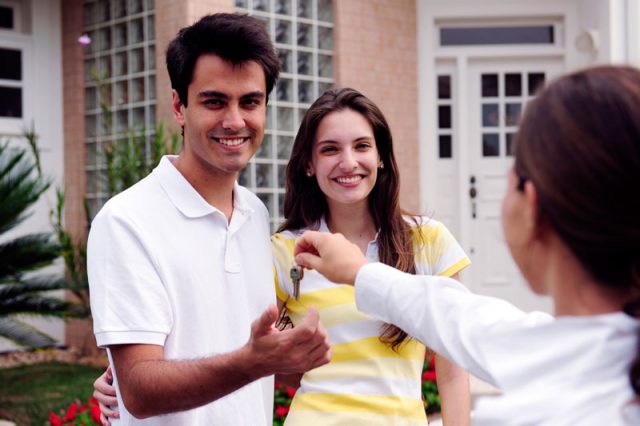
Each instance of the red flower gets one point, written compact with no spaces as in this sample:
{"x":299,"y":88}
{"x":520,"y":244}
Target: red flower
{"x":95,"y":413}
{"x":71,"y":412}
{"x":429,"y":376}
{"x":54,"y":420}
{"x":291,"y":392}
{"x":432,"y":362}
{"x":94,"y":409}
{"x":281,"y":410}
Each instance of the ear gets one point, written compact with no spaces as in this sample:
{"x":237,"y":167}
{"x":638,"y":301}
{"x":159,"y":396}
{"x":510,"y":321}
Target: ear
{"x":309,"y":170}
{"x":532,"y":215}
{"x":178,"y":108}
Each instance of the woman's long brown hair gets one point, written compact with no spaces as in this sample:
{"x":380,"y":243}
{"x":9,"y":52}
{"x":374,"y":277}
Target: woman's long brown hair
{"x":305,"y":204}
{"x":579,"y":144}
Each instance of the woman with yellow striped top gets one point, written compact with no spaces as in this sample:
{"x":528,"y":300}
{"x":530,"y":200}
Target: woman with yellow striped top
{"x":343,"y":177}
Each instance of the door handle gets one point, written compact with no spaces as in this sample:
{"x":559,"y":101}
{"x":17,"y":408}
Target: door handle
{"x":473,"y":193}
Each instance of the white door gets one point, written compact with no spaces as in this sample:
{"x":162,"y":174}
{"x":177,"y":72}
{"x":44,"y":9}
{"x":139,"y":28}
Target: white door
{"x":498,"y":92}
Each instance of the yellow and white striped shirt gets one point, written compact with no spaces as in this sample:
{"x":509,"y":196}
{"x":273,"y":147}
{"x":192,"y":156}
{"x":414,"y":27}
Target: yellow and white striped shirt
{"x":366,"y":382}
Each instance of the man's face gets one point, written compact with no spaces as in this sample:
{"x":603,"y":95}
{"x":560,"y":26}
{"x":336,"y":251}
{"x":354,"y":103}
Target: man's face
{"x":224,"y":122}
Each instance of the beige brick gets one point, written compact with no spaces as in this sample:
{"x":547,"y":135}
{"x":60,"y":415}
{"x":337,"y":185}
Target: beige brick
{"x":383,"y":65}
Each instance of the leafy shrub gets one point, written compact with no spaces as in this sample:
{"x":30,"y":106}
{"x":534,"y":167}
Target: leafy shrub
{"x":77,"y":414}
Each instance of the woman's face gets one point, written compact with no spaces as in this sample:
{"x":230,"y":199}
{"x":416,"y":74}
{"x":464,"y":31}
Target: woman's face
{"x":344,"y":158}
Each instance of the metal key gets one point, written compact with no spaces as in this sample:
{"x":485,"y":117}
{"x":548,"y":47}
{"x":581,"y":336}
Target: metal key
{"x":296,"y":273}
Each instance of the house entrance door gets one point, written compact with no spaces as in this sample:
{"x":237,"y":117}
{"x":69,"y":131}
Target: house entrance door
{"x":498,"y":93}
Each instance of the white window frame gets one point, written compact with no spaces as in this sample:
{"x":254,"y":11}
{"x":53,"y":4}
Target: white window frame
{"x":14,"y":126}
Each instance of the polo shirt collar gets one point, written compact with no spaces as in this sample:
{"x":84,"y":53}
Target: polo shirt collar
{"x":186,"y":198}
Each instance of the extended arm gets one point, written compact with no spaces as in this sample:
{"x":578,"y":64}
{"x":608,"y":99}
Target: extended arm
{"x":439,"y":312}
{"x":151,"y":385}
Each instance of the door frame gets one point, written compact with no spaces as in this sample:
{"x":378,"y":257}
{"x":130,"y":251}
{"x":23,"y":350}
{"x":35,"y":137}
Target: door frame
{"x":432,"y":14}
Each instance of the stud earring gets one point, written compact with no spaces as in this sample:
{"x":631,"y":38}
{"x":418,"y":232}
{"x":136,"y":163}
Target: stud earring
{"x":309,"y":173}
{"x":381,"y":166}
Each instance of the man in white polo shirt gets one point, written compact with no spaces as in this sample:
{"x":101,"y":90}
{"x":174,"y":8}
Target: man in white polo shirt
{"x":180,"y":266}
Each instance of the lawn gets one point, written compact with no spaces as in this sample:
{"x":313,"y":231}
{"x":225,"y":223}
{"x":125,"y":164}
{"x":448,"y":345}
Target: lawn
{"x":29,"y":392}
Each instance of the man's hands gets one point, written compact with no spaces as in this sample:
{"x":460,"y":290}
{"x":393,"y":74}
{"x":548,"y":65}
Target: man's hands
{"x":181,"y":385}
{"x":330,"y":254}
{"x":295,"y":350}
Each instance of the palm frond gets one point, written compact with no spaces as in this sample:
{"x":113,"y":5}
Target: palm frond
{"x":24,"y":334}
{"x":10,"y":160}
{"x":37,"y":305}
{"x":20,"y":186}
{"x":16,"y":197}
{"x":27,"y":253}
{"x":31,"y":285}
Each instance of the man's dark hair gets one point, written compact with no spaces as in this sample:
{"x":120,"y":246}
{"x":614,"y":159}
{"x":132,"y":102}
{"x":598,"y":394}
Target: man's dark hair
{"x":233,"y":37}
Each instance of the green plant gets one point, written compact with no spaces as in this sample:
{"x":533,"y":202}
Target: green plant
{"x":129,"y":160}
{"x":30,"y":392}
{"x":74,"y":254}
{"x":430,"y":394}
{"x":281,"y":401}
{"x":78,"y":413}
{"x":22,"y":282}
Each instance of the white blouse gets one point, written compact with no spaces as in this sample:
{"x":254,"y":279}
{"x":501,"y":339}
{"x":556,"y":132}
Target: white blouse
{"x":551,"y":371}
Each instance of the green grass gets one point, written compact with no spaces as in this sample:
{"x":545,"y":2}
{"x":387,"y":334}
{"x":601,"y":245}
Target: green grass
{"x":29,"y":392}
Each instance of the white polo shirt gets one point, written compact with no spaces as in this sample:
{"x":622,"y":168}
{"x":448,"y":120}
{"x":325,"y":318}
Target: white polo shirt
{"x":166,"y":268}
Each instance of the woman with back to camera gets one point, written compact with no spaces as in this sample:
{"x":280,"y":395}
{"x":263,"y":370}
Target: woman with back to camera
{"x":343,"y":177}
{"x":571,"y":218}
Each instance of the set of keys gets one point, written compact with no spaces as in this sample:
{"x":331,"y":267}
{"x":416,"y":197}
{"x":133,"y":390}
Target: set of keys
{"x":296,"y":273}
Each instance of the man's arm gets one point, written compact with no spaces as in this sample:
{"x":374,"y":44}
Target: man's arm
{"x":151,"y":385}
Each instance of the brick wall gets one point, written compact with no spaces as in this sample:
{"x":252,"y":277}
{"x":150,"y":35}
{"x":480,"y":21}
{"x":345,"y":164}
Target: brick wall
{"x":376,"y":53}
{"x":77,"y":333}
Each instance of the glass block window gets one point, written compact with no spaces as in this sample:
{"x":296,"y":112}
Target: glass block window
{"x":119,"y":66}
{"x":302,"y":31}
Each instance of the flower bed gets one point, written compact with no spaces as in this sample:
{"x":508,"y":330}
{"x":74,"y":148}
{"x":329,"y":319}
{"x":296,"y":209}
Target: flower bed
{"x":77,"y":414}
{"x":88,"y":413}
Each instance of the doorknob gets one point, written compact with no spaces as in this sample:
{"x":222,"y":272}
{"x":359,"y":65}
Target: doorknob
{"x":473,"y":193}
